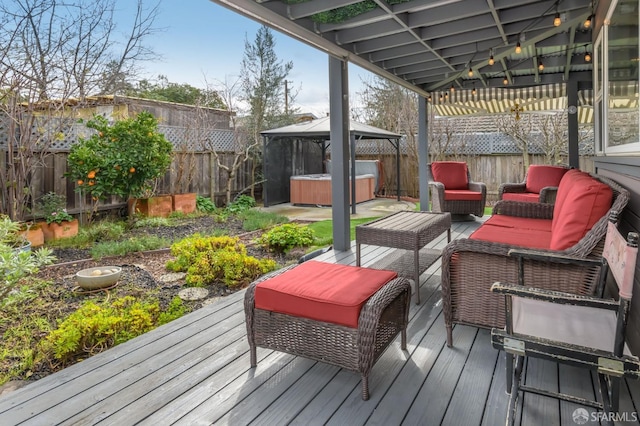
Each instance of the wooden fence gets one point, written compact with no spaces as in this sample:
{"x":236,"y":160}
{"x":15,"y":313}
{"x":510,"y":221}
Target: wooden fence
{"x":198,"y":173}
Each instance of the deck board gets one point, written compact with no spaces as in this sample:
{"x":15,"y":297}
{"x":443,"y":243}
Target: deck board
{"x":195,"y":370}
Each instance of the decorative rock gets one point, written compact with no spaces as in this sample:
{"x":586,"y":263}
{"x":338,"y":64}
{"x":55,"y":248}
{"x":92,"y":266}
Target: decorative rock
{"x":172,"y":277}
{"x":193,"y":293}
{"x":210,"y":300}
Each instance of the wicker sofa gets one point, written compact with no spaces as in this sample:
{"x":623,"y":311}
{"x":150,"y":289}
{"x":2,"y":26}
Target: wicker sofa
{"x":470,"y":266}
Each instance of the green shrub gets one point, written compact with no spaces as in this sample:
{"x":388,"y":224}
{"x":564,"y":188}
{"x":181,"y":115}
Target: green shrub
{"x":93,"y":328}
{"x":241,"y":204}
{"x":233,"y":268}
{"x":284,"y":237}
{"x":207,"y":260}
{"x":205,"y":205}
{"x":188,"y":249}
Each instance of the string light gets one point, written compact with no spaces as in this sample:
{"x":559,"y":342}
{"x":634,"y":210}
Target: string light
{"x":587,"y":56}
{"x":470,"y":73}
{"x":518,"y":48}
{"x":491,"y":61}
{"x":540,"y":66}
{"x":452,"y":89}
{"x":505,"y":81}
{"x":473,"y":92}
{"x":556,"y":20}
{"x":587,"y":22}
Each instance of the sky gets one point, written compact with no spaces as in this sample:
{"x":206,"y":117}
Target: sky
{"x":204,"y":42}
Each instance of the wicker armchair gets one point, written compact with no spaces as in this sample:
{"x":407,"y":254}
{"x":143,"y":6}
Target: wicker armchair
{"x":540,"y":185}
{"x":471,"y":266}
{"x":453,"y":191}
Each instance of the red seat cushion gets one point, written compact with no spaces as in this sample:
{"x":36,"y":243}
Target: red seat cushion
{"x":530,"y":238}
{"x":539,"y":176}
{"x":581,"y":202}
{"x":505,"y":221}
{"x":452,"y":174}
{"x":462,"y":195}
{"x":528,"y":197}
{"x":322,"y":291}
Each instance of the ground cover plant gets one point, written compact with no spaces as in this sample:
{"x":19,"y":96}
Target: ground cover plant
{"x":46,"y":323}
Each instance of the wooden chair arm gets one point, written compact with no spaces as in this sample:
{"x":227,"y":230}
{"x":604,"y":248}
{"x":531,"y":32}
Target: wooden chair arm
{"x":553,"y":296}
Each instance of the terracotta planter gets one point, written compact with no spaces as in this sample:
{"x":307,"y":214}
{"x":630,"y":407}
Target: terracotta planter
{"x":184,"y":203}
{"x":160,"y":206}
{"x":54,"y":231}
{"x":35,"y":235}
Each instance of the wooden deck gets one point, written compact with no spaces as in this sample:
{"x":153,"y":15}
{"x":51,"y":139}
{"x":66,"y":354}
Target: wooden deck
{"x":195,"y":370}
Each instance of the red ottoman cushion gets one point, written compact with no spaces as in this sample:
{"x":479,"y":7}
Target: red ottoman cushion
{"x":322,"y":291}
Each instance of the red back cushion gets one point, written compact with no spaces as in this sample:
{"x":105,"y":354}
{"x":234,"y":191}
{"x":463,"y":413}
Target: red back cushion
{"x":539,"y":176}
{"x":581,"y":202}
{"x":322,"y":291}
{"x":452,"y":174}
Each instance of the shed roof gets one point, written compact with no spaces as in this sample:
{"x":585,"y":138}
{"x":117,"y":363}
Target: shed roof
{"x":321,"y":128}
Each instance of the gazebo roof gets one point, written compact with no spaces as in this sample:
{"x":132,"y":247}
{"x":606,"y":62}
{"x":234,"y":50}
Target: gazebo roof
{"x":320,"y":128}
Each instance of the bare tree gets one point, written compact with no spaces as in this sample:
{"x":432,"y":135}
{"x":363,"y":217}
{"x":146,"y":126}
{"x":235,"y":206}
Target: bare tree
{"x":520,"y":128}
{"x":243,"y":144}
{"x":51,"y":52}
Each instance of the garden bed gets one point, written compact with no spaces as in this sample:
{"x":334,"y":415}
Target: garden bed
{"x":144,"y":276}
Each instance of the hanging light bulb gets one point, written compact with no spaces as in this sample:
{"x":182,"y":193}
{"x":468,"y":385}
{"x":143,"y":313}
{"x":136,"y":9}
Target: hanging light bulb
{"x":518,"y":48}
{"x":473,"y":92}
{"x":491,"y":61}
{"x":587,"y":56}
{"x":452,"y":89}
{"x":540,"y":66}
{"x":587,"y":22}
{"x":556,"y":20}
{"x":470,"y":73}
{"x":505,"y":81}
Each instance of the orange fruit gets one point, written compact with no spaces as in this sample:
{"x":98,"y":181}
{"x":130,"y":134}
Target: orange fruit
{"x":116,"y":167}
{"x":91,"y":174}
{"x":80,"y":182}
{"x":91,"y":183}
{"x":101,"y":134}
{"x":132,"y":170}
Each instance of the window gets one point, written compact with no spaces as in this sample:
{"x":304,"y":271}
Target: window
{"x":622,"y":111}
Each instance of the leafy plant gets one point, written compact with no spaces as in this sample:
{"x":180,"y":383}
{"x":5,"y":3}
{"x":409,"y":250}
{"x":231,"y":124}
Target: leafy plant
{"x":205,"y":205}
{"x":284,"y":237}
{"x":207,"y":260}
{"x":241,"y":204}
{"x":54,"y":208}
{"x":17,"y":264}
{"x":119,"y":159}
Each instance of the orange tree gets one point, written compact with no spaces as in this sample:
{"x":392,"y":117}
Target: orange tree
{"x":119,"y":159}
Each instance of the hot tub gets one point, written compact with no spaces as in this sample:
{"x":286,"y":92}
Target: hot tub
{"x":316,"y":189}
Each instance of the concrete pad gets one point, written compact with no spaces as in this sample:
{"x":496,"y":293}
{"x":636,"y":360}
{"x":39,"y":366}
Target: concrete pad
{"x":372,"y":208}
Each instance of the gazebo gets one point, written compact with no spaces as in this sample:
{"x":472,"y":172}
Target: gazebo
{"x":301,"y":148}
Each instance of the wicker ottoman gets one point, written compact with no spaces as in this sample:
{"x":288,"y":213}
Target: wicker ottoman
{"x":328,"y":325}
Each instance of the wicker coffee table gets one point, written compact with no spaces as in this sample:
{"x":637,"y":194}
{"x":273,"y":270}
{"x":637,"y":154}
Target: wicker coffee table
{"x":409,"y":232}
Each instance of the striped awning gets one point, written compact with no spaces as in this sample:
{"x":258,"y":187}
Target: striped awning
{"x":502,"y":100}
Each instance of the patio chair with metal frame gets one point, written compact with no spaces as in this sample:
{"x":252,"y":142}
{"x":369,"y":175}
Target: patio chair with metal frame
{"x":584,"y":331}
